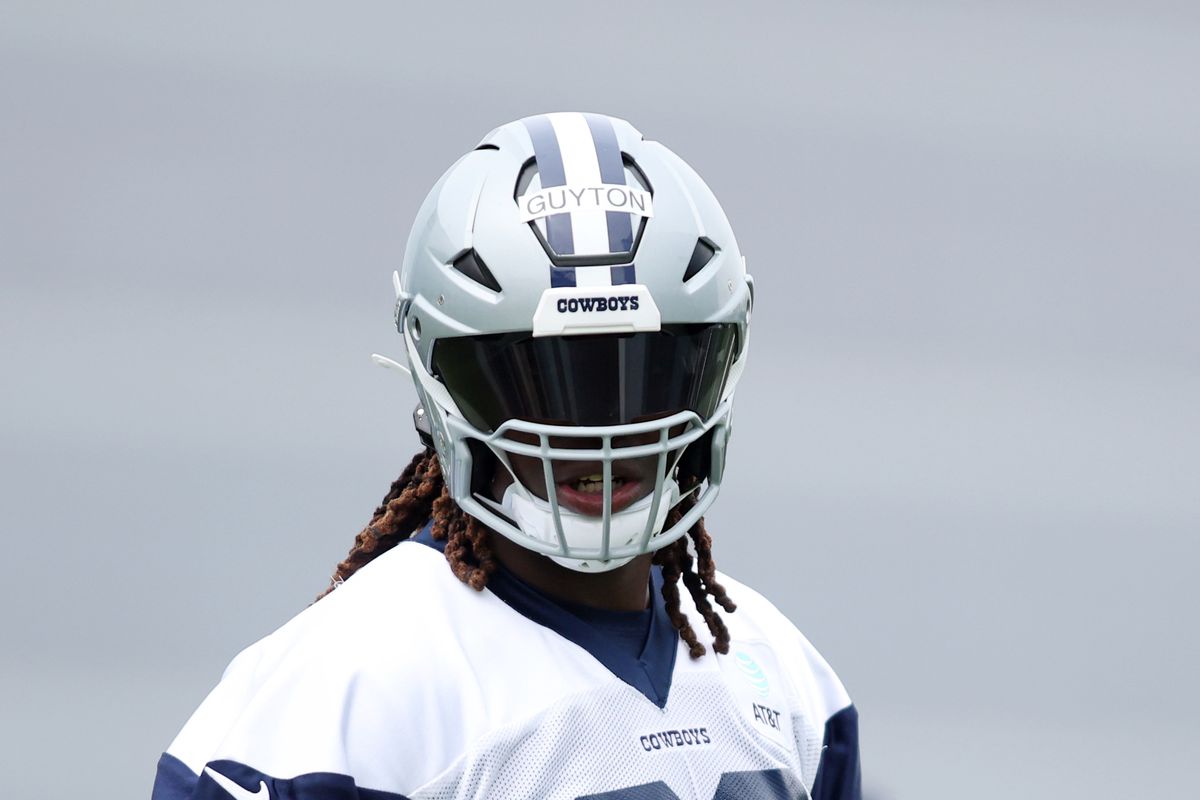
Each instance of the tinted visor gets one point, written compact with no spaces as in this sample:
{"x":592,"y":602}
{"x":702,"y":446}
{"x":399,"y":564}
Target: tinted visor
{"x":605,"y":379}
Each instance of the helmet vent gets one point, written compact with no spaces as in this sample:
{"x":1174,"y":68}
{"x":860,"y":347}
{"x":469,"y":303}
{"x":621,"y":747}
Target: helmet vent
{"x":632,"y":169}
{"x":525,"y":177}
{"x":488,"y":146}
{"x":470,"y":264}
{"x":701,"y":255}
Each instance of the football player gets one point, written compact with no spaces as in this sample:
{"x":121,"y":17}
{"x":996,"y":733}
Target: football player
{"x":520,"y":617}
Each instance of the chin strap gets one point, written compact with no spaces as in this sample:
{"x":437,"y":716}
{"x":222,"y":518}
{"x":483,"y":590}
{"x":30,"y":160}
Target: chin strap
{"x":535,"y":518}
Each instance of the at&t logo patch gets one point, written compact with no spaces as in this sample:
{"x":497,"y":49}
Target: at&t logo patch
{"x":753,"y":673}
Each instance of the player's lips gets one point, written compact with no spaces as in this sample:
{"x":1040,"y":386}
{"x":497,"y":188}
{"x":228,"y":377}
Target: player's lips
{"x":580,"y":486}
{"x":587,"y":497}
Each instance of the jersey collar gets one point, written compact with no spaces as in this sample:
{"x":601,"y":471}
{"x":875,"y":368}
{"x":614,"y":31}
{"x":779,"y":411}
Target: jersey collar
{"x":647,"y":669}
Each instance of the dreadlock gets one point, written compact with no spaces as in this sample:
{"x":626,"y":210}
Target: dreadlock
{"x":420,"y":494}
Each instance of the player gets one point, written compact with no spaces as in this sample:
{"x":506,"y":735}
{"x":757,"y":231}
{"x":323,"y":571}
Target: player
{"x":575,"y":314}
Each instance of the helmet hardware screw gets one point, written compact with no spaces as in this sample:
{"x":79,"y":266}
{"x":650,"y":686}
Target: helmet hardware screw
{"x":441,"y":300}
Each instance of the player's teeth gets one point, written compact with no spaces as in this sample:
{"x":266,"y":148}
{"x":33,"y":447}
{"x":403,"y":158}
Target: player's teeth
{"x":594,"y":484}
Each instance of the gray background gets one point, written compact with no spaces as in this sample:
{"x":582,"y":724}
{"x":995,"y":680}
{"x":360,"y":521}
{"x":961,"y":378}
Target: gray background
{"x":966,"y":456}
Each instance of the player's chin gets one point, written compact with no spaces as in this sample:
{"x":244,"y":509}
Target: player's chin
{"x":589,"y":501}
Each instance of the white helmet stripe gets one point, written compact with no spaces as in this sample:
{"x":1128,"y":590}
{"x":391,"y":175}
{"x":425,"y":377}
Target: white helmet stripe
{"x":612,"y":171}
{"x":581,"y":167}
{"x":594,"y":276}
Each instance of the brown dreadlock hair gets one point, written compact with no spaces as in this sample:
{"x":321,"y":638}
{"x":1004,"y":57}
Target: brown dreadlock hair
{"x":420,"y":494}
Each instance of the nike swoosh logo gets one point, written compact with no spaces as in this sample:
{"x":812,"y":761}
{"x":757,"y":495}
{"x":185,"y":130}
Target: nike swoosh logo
{"x":237,"y":792}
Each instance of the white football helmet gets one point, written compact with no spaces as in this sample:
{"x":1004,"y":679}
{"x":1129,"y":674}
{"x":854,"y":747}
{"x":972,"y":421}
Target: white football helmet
{"x":575,"y":316}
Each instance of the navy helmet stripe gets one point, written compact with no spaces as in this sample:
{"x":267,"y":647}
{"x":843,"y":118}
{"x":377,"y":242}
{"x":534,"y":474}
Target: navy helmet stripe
{"x":562,"y":276}
{"x":623,"y":274}
{"x":608,"y":152}
{"x":620,"y":232}
{"x":612,"y":170}
{"x":551,"y":173}
{"x":545,"y":150}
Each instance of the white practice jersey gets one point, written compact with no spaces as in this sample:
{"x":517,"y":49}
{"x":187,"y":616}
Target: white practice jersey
{"x":405,"y":684}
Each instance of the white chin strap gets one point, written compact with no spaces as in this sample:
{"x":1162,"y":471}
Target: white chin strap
{"x":535,"y":518}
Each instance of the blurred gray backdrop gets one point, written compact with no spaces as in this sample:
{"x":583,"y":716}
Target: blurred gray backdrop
{"x":966,"y":453}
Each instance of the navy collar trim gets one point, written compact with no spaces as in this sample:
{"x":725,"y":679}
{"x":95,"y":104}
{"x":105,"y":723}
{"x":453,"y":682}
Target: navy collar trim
{"x":649,"y":672}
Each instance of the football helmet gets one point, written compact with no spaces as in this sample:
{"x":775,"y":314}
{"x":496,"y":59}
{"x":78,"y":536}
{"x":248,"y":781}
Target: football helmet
{"x":575,"y":314}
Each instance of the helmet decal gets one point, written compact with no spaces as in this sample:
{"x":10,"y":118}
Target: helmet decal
{"x":578,"y":154}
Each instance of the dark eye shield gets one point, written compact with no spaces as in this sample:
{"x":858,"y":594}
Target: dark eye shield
{"x":592,"y":380}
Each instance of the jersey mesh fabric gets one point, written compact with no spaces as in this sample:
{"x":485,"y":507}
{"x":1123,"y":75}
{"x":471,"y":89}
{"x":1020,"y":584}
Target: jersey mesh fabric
{"x":808,"y":745}
{"x":612,"y":742}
